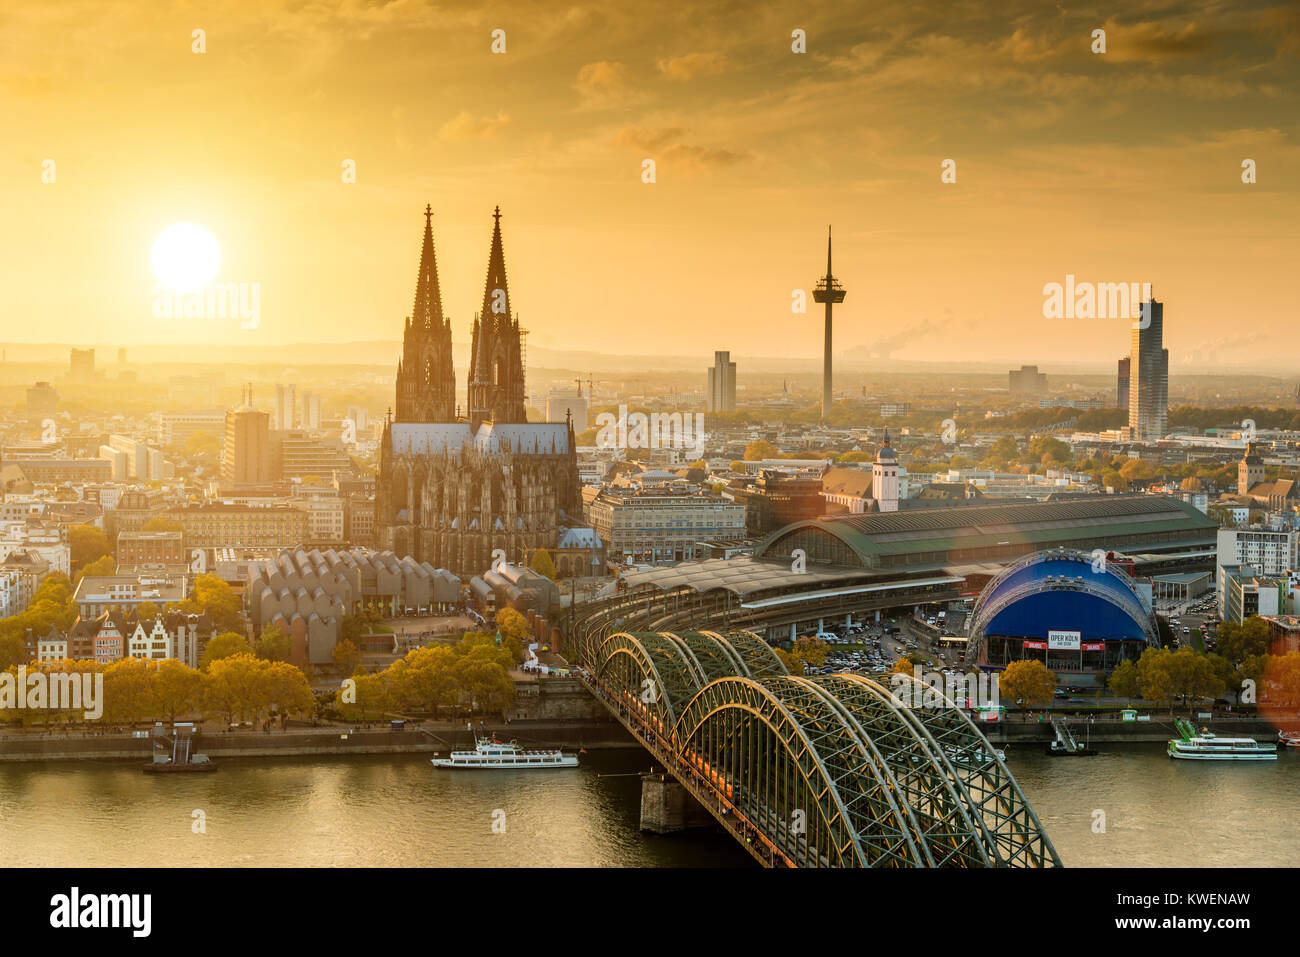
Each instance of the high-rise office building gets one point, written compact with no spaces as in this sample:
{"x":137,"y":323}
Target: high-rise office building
{"x":246,"y":457}
{"x":1148,"y":393}
{"x":81,"y":365}
{"x":284,"y":403}
{"x":1027,"y":380}
{"x":42,"y":402}
{"x":310,"y":411}
{"x":567,"y":402}
{"x":722,"y":384}
{"x":1121,"y":384}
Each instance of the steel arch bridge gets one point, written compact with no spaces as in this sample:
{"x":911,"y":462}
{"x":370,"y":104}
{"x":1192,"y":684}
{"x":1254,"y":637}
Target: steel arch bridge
{"x":828,"y":771}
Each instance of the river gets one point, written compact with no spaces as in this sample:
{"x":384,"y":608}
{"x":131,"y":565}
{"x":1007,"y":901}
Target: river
{"x":398,"y":811}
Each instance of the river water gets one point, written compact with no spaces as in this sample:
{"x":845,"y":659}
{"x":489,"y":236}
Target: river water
{"x":398,"y":811}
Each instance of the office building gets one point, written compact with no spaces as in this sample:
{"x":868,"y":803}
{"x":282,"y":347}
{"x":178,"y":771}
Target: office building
{"x":81,"y":365}
{"x":565,"y":402}
{"x":722,"y":384}
{"x":1027,"y":380}
{"x":1148,"y":403}
{"x":246,"y":456}
{"x":1244,"y":591}
{"x":284,"y":407}
{"x":310,"y":410}
{"x":176,"y":428}
{"x":1271,"y":550}
{"x":775,"y":499}
{"x":223,"y":524}
{"x":42,"y":402}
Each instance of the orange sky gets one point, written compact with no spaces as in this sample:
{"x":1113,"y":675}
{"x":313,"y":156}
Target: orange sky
{"x":1116,"y":167}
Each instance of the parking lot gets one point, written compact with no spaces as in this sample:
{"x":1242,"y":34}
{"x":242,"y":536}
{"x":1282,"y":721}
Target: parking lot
{"x":872,"y":647}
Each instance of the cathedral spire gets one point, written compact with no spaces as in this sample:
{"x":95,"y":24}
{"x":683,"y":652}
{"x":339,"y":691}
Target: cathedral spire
{"x":496,"y":294}
{"x":428,"y":295}
{"x":426,"y":380}
{"x":496,"y":375}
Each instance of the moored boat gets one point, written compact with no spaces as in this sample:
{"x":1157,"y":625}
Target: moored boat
{"x":1206,"y":746}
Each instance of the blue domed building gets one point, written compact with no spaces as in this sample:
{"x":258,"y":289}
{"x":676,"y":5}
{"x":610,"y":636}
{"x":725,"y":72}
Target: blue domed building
{"x":1080,"y":617}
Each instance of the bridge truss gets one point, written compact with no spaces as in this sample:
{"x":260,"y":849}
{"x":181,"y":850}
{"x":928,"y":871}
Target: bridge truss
{"x":827,"y":771}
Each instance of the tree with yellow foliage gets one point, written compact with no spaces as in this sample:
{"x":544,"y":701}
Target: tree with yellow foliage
{"x":1027,"y":682}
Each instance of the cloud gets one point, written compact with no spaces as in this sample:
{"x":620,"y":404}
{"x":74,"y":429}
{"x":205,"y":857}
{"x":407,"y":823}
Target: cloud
{"x":644,"y":138}
{"x":603,"y":86}
{"x":1153,"y":43}
{"x":464,"y":126}
{"x":688,"y":67}
{"x":665,"y":146}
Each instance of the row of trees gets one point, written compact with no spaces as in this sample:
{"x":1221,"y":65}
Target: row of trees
{"x":50,"y":606}
{"x":1185,"y":675}
{"x":240,"y":687}
{"x":472,"y":674}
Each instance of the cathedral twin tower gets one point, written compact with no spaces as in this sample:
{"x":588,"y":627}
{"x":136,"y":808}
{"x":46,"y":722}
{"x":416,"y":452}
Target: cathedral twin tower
{"x":456,"y":488}
{"x":426,"y":379}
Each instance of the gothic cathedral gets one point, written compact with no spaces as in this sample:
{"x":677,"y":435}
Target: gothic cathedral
{"x":453,"y":488}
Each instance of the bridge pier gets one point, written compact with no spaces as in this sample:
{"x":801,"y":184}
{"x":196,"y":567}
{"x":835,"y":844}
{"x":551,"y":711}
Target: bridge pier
{"x":667,"y":807}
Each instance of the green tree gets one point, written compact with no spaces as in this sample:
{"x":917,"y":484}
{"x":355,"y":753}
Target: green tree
{"x":760,"y":449}
{"x":1050,"y":450}
{"x":11,"y":652}
{"x":225,"y":645}
{"x":232,"y":686}
{"x":1004,"y":449}
{"x":178,"y":689}
{"x":481,"y":673}
{"x":347,"y":656}
{"x":1238,"y":642}
{"x":87,"y":543}
{"x":286,"y":688}
{"x":213,"y":597}
{"x":1180,"y":675}
{"x":515,"y":633}
{"x":542,"y":564}
{"x":273,"y":644}
{"x":128,"y":691}
{"x":1125,"y":682}
{"x":105,"y":565}
{"x":434,"y":677}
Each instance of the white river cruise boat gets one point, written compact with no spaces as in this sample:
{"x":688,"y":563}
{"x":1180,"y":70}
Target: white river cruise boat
{"x":489,"y":753}
{"x":1190,"y":746}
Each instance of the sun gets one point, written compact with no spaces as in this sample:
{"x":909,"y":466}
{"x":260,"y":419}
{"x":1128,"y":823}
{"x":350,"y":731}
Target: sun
{"x":185,"y":257}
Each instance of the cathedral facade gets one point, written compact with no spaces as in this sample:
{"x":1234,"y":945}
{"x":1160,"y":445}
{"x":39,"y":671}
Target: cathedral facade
{"x":453,"y":488}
